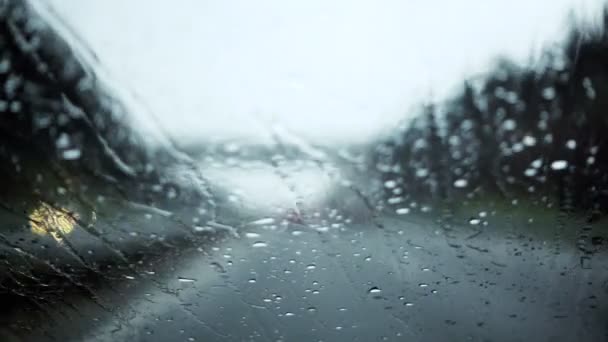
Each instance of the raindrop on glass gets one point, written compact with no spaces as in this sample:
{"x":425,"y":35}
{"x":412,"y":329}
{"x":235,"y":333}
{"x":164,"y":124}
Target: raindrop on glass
{"x":374,"y":290}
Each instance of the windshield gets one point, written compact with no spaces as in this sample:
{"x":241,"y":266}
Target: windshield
{"x":303,"y":171}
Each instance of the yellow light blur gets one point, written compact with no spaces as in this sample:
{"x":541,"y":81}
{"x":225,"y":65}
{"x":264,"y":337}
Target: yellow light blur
{"x":55,"y":222}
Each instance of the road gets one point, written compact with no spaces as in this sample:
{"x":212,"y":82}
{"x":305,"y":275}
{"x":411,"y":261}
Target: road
{"x":408,"y":281}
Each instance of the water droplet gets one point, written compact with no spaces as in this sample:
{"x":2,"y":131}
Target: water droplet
{"x":171,"y":192}
{"x":529,"y":140}
{"x":474,"y":221}
{"x":323,"y":229}
{"x":200,"y":229}
{"x":374,"y":290}
{"x":461,"y":183}
{"x":389,"y":184}
{"x":71,"y":154}
{"x":509,"y":125}
{"x":549,"y":93}
{"x":422,"y":172}
{"x":517,"y":147}
{"x":252,"y":235}
{"x":536,"y":163}
{"x":559,"y":165}
{"x":594,"y":149}
{"x":311,"y":267}
{"x":63,"y":141}
{"x":395,"y":200}
{"x":186,"y":280}
{"x":289,"y":314}
{"x":263,"y":221}
{"x":423,"y":285}
{"x":402,"y":211}
{"x":259,"y":244}
{"x":571,"y":144}
{"x":217,"y":267}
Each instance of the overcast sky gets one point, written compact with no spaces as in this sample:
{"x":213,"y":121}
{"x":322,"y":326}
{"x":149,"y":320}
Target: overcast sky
{"x":331,"y":71}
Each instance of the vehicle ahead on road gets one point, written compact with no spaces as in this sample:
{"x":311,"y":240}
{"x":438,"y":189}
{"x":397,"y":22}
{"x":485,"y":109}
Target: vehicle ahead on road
{"x":483,"y":218}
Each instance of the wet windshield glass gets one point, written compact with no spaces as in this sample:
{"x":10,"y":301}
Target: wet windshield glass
{"x":306,"y":171}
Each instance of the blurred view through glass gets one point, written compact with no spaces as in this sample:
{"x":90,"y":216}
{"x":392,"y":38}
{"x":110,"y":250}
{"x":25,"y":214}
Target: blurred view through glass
{"x":303,"y":171}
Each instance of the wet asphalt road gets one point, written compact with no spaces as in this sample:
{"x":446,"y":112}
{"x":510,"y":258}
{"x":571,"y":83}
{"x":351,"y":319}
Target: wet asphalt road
{"x":406,"y":282}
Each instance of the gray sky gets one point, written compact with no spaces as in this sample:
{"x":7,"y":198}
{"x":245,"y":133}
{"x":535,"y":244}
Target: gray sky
{"x":331,"y":71}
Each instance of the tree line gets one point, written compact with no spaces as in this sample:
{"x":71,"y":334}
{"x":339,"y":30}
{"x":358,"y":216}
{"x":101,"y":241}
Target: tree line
{"x":518,"y":131}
